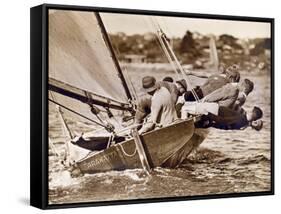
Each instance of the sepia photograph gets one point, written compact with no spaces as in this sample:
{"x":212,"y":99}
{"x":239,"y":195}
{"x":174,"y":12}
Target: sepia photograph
{"x":144,"y":106}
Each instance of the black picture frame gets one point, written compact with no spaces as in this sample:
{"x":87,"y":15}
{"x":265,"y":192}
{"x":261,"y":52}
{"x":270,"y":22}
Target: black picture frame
{"x":39,"y":104}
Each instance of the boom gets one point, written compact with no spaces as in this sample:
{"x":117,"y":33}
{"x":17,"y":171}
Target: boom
{"x":86,"y":96}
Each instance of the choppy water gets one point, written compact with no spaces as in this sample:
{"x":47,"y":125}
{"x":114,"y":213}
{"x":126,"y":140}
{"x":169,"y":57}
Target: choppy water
{"x":226,"y":162}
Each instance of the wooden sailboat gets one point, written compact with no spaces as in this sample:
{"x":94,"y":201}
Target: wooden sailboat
{"x":84,"y":73}
{"x":159,"y":145}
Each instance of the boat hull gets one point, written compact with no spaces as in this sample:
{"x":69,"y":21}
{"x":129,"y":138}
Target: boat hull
{"x":181,"y":154}
{"x":159,"y":145}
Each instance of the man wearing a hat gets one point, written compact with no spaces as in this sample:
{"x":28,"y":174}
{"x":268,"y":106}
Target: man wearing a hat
{"x":168,"y":79}
{"x":144,"y":104}
{"x":162,"y":106}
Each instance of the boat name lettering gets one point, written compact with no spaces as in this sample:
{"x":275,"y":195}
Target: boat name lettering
{"x":100,"y":161}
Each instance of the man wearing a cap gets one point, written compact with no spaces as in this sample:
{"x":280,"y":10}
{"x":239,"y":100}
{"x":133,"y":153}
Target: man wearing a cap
{"x":162,"y":106}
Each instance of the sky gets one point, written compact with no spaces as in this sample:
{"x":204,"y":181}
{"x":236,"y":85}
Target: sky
{"x":176,"y":27}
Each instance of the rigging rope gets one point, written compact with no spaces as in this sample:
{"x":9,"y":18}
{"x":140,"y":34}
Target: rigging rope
{"x":95,"y":110}
{"x":53,"y":148}
{"x":171,"y":61}
{"x":131,"y":84}
{"x":109,"y":129}
{"x":67,"y":130}
{"x":164,"y":49}
{"x":166,"y":45}
{"x":181,"y":69}
{"x":118,"y":53}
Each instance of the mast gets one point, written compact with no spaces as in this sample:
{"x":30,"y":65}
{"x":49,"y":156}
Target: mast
{"x":115,"y":60}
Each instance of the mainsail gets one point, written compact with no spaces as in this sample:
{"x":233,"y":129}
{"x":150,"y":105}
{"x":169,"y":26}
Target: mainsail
{"x":80,"y":59}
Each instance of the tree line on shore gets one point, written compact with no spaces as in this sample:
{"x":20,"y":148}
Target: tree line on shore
{"x":193,"y":49}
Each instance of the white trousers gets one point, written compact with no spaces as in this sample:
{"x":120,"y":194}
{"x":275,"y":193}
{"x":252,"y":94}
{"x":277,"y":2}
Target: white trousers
{"x":199,"y":108}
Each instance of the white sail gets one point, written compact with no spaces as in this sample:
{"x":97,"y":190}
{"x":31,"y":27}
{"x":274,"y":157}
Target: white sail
{"x":214,"y":59}
{"x":79,"y":56}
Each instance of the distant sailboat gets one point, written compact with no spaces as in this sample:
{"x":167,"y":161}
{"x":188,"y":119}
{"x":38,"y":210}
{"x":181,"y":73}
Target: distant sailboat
{"x":214,"y":59}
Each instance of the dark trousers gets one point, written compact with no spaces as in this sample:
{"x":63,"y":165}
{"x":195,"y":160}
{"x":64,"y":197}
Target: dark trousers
{"x":227,"y":118}
{"x":188,"y":96}
{"x":96,"y":143}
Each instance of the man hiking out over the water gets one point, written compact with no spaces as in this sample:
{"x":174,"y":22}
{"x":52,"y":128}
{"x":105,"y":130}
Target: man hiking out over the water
{"x":243,"y":94}
{"x":162,"y":107}
{"x":231,"y":94}
{"x":222,"y":70}
{"x":229,"y":119}
{"x":213,"y":83}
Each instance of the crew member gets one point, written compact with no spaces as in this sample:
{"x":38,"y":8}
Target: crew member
{"x":162,"y":107}
{"x":231,"y":94}
{"x":213,"y":83}
{"x":229,"y":119}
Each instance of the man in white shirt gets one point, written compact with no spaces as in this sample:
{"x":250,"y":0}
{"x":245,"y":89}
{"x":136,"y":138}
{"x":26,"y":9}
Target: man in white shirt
{"x":163,"y":110}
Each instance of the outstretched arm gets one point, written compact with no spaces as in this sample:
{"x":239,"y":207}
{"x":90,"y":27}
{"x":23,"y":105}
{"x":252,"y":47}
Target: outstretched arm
{"x":199,"y":74}
{"x":155,"y":111}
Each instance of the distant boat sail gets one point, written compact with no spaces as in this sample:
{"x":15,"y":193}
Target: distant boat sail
{"x":214,"y":59}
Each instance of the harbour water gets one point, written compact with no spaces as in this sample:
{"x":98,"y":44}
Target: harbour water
{"x":230,"y":161}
